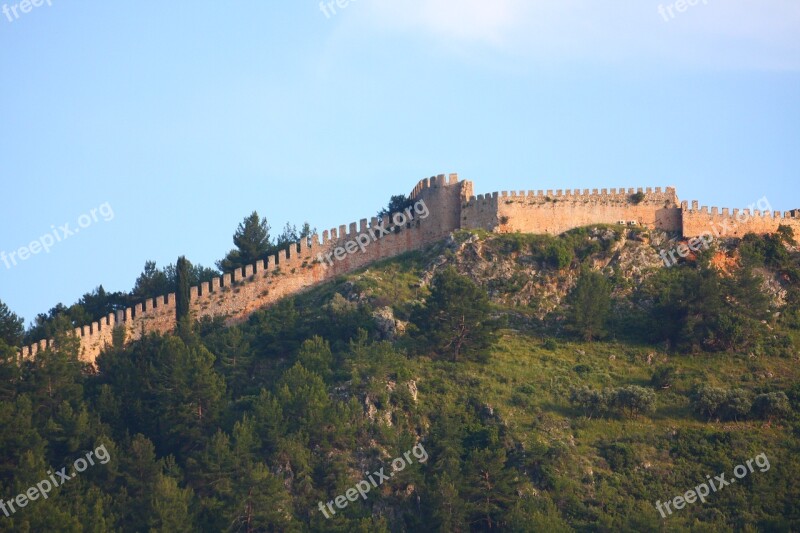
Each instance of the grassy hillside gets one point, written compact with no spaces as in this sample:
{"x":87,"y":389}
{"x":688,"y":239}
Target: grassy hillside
{"x":558,"y":422}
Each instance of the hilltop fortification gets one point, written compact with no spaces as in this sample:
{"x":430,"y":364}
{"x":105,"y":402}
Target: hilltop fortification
{"x":451,"y":205}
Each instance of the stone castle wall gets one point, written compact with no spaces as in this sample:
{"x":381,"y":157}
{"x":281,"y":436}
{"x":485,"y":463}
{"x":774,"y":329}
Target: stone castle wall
{"x":555,"y":213}
{"x":734,"y":223}
{"x":450,"y":205}
{"x":237,"y":294}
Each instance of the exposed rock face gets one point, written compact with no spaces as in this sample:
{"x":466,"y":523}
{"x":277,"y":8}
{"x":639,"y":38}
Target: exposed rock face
{"x":519,"y":278}
{"x":412,"y":388}
{"x":388,"y":326}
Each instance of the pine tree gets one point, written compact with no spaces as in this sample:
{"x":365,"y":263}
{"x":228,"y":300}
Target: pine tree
{"x":315,"y":355}
{"x":151,"y":282}
{"x":234,"y":359}
{"x":590,"y":304}
{"x":11,"y":329}
{"x":397,"y":204}
{"x":448,"y":510}
{"x":252,"y":243}
{"x":212,"y":472}
{"x":183,"y":295}
{"x":260,"y":502}
{"x":304,"y":399}
{"x":269,"y":420}
{"x":170,"y":506}
{"x":9,"y":372}
{"x":456,"y":318}
{"x":190,"y":393}
{"x":489,"y":488}
{"x":56,"y":375}
{"x":140,"y":471}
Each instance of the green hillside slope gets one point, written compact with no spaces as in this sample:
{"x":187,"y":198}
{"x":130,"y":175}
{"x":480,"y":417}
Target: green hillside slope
{"x":509,"y":383}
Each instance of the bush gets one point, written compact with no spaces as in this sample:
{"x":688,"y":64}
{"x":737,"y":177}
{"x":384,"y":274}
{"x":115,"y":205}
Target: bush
{"x":582,"y":370}
{"x":637,"y":198}
{"x":591,"y":402}
{"x":708,"y":401}
{"x":620,"y":456}
{"x":663,"y":377}
{"x":794,"y":397}
{"x":737,"y":405}
{"x":590,"y":305}
{"x":631,"y":400}
{"x":635,"y":400}
{"x":559,"y":254}
{"x":771,"y":406}
{"x":721,"y":404}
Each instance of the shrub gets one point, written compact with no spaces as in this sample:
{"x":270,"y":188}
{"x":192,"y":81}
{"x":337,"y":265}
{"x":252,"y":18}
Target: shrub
{"x":708,"y":401}
{"x":721,"y":404}
{"x":582,"y":370}
{"x":559,"y":254}
{"x":620,"y":456}
{"x":590,"y":305}
{"x":637,"y":198}
{"x":663,"y":377}
{"x":631,"y":400}
{"x":635,"y":400}
{"x":771,"y":405}
{"x":737,"y":405}
{"x":591,"y":402}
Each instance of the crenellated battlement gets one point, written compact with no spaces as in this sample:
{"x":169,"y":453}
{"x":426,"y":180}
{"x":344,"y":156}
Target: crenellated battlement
{"x":600,"y":195}
{"x":557,"y":210}
{"x":433,"y":182}
{"x":235,"y":295}
{"x":450,"y":205}
{"x":726,"y":222}
{"x":622,"y":196}
{"x":738,"y":213}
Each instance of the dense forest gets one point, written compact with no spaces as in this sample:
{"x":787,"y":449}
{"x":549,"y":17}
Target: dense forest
{"x":525,"y":383}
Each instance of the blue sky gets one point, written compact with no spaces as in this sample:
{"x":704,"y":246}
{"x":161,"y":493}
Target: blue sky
{"x":182,"y":117}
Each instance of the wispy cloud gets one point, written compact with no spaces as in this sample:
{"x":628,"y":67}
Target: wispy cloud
{"x":463,"y":20}
{"x":761,"y":34}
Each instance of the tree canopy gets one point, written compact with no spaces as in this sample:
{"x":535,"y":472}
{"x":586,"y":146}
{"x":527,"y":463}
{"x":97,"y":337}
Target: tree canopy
{"x":253,"y":241}
{"x":456,"y":317}
{"x":11,"y":326}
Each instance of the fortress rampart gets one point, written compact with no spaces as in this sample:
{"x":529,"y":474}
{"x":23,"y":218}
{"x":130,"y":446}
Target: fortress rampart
{"x":556,"y":212}
{"x":735,"y":222}
{"x":451,"y":205}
